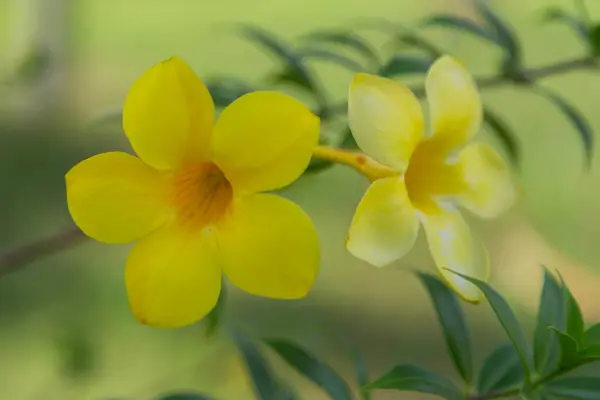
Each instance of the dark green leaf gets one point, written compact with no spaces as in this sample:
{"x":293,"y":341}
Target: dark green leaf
{"x":550,"y":314}
{"x":327,"y":55}
{"x":362,"y":376}
{"x":501,"y":369}
{"x":404,"y":64}
{"x":568,"y":348}
{"x":595,"y":39}
{"x":462,"y":24}
{"x":225,"y":90}
{"x":530,"y":393}
{"x":454,"y":325}
{"x":315,"y":370}
{"x":346,"y":39}
{"x":592,"y":335}
{"x":214,"y":318}
{"x":578,"y":26}
{"x":575,"y":388}
{"x":575,"y":326}
{"x":504,"y":35}
{"x":183,"y":396}
{"x":416,"y":379}
{"x":577,"y":120}
{"x":504,"y":133}
{"x":266,"y":385}
{"x":589,"y":355}
{"x":509,"y":323}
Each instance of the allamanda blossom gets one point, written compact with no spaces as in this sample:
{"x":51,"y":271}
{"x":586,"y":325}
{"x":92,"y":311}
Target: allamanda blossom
{"x":427,"y":176}
{"x":191,"y":198}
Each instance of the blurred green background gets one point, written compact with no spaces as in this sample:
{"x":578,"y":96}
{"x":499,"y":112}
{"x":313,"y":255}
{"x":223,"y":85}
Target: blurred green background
{"x":66,"y":331}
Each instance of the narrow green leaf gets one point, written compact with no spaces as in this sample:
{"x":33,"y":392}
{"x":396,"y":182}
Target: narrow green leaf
{"x":577,"y":119}
{"x":501,"y":369}
{"x":595,"y":39}
{"x":215,"y":316}
{"x":362,"y":376}
{"x":416,"y":379}
{"x":530,"y":393}
{"x":504,"y":134}
{"x":266,"y":385}
{"x":184,"y":396}
{"x":346,"y":39}
{"x":454,"y":325}
{"x":309,"y":53}
{"x":509,"y":323}
{"x":461,"y":24}
{"x":504,"y":34}
{"x":575,"y":388}
{"x":578,"y":26}
{"x":568,"y":348}
{"x":405,"y":64}
{"x":225,"y":90}
{"x":546,"y":349}
{"x":575,"y":326}
{"x":592,"y":335}
{"x":318,"y":372}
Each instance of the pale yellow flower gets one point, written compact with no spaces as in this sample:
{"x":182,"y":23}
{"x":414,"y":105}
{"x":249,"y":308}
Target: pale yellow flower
{"x":431,"y":174}
{"x":192,"y":199}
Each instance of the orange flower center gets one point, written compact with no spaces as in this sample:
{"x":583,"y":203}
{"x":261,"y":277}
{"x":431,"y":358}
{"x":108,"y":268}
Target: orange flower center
{"x":201,"y":194}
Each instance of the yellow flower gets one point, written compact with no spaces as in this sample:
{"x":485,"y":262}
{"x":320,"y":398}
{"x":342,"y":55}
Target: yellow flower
{"x":430,"y":175}
{"x":192,"y":199}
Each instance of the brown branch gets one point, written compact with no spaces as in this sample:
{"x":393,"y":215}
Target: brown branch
{"x":70,"y":237}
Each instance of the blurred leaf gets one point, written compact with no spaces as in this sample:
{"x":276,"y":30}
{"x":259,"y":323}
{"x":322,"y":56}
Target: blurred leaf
{"x":362,"y":376}
{"x":266,"y":385}
{"x":318,"y":372}
{"x":225,"y":90}
{"x":214,"y":318}
{"x":575,"y":388}
{"x":509,"y":323}
{"x":595,"y":39}
{"x":184,"y":396}
{"x":405,"y":64}
{"x":327,"y":55}
{"x":461,"y":24}
{"x":576,"y":118}
{"x":575,"y":326}
{"x":501,"y":369}
{"x":550,"y":314}
{"x":454,"y":325}
{"x":77,"y":353}
{"x":346,"y":39}
{"x":555,"y":14}
{"x":416,"y":379}
{"x":34,"y":66}
{"x":592,"y":335}
{"x":568,"y":348}
{"x":504,"y":134}
{"x":531,"y":393}
{"x":504,"y":35}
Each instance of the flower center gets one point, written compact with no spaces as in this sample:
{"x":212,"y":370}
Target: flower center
{"x":430,"y":177}
{"x":201,"y":194}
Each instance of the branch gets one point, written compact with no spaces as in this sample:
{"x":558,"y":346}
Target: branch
{"x":71,"y":237}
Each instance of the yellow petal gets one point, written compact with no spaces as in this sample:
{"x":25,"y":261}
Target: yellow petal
{"x":116,"y":198}
{"x":385,"y":118}
{"x":490,"y":190}
{"x":385,"y":225}
{"x":264,"y":141}
{"x":269,"y":247}
{"x":172,"y":277}
{"x":453,"y":248}
{"x":168,"y":115}
{"x":454,"y":102}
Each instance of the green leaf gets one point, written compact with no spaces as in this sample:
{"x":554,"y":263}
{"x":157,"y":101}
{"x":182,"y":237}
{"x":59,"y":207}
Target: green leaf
{"x":225,"y":90}
{"x":568,"y":348}
{"x":416,"y":379}
{"x":595,"y":39}
{"x":546,"y":348}
{"x":504,"y":35}
{"x":214,"y":318}
{"x":504,"y":134}
{"x":35,"y":66}
{"x":362,"y":376}
{"x":578,"y":121}
{"x":462,"y":24}
{"x":315,"y":370}
{"x":575,"y":326}
{"x":346,"y":39}
{"x":509,"y":323}
{"x":454,"y":325}
{"x":578,"y":26}
{"x":530,"y":393}
{"x":501,"y":369}
{"x":183,"y":396}
{"x":592,"y":335}
{"x":404,"y":64}
{"x":575,"y":388}
{"x":266,"y":385}
{"x":309,"y":53}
